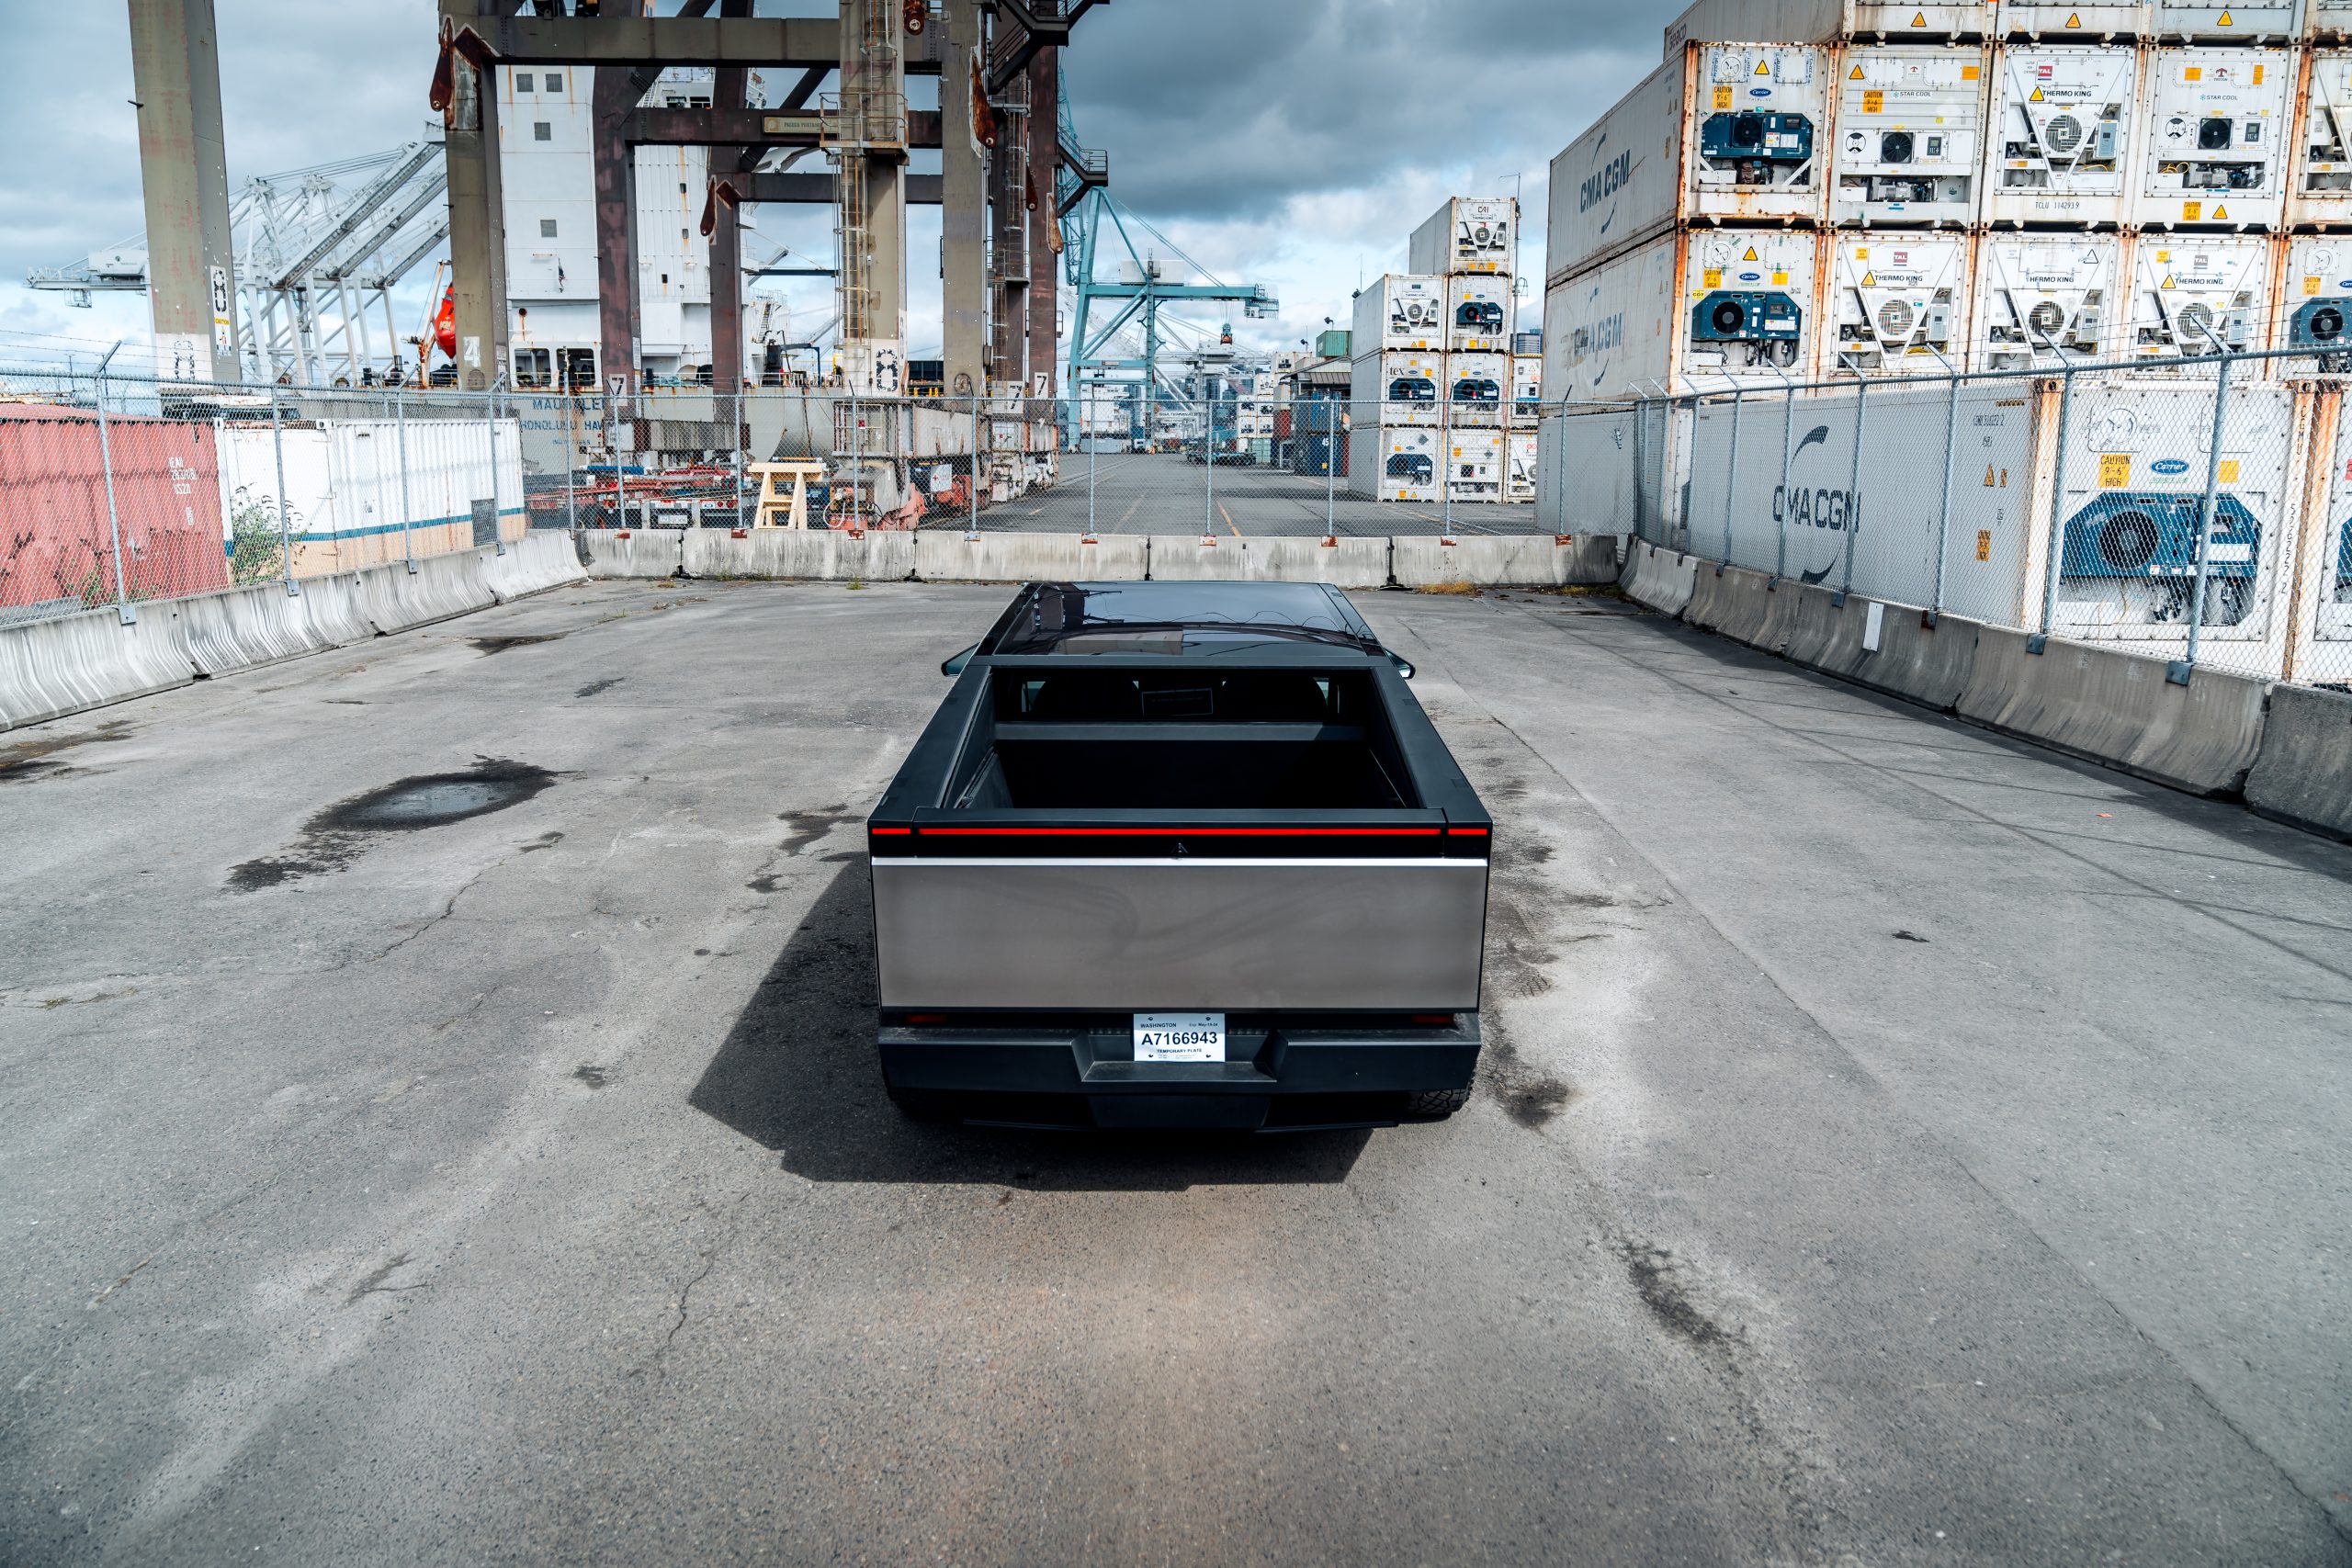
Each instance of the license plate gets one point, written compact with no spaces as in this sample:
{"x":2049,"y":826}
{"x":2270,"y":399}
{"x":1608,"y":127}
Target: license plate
{"x":1179,"y":1037}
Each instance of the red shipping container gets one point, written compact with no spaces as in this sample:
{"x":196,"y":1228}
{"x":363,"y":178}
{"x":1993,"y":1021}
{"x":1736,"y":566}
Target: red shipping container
{"x":1282,"y":424}
{"x":55,"y":541}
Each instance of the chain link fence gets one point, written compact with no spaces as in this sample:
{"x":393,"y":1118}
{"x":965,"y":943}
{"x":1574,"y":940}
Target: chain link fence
{"x":2203,"y":516}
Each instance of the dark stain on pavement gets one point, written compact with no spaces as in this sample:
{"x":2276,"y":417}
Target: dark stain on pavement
{"x":1651,"y":1269}
{"x":490,"y":644}
{"x":807,"y":827}
{"x":595,"y":687}
{"x":1910,"y":936}
{"x":592,"y":1074}
{"x":28,"y":760}
{"x":333,"y":838}
{"x":1529,"y":1095}
{"x":544,"y":842}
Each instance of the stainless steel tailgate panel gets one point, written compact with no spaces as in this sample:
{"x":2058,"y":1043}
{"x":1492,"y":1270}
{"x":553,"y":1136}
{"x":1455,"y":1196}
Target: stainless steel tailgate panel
{"x":1179,"y":934}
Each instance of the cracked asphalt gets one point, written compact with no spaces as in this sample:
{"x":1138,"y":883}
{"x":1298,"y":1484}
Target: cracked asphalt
{"x":1895,"y":1145}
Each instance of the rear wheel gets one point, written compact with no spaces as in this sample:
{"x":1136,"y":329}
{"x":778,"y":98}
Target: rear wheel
{"x":1435,"y":1104}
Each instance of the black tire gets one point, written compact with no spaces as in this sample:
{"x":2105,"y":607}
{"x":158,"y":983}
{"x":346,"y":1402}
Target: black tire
{"x":1435,"y":1104}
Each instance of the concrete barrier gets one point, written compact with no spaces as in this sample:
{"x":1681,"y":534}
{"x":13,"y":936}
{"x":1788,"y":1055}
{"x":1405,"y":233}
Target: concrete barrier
{"x":1349,"y":563}
{"x":538,"y":561}
{"x":2117,"y":707}
{"x":818,"y":555}
{"x":946,"y":556}
{"x":635,"y":552}
{"x":1733,"y":601}
{"x":48,"y":669}
{"x":2303,"y":774}
{"x":1504,"y":560}
{"x":248,"y":626}
{"x":1927,"y":665}
{"x":1661,"y":579}
{"x":331,"y":608}
{"x":394,"y":599}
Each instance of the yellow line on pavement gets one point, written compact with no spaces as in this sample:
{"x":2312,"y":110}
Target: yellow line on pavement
{"x":1221,"y":512}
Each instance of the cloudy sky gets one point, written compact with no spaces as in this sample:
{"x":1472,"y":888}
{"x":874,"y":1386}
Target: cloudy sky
{"x":1290,"y":142}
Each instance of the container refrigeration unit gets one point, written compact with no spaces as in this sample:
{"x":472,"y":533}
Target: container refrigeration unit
{"x":1910,"y":135}
{"x":2046,"y":300}
{"x":2062,"y":122}
{"x":2314,"y":310}
{"x":2194,"y":295}
{"x":1898,"y":304}
{"x":1393,"y":463}
{"x":1399,"y":388}
{"x":1400,"y":312}
{"x":1758,"y":131}
{"x":1520,"y":459}
{"x":2321,"y":195}
{"x":1467,"y":234}
{"x":1477,"y":390}
{"x":2214,"y":150}
{"x":1704,"y":309}
{"x":1475,"y":472}
{"x":1478,"y":313}
{"x":1526,"y":390}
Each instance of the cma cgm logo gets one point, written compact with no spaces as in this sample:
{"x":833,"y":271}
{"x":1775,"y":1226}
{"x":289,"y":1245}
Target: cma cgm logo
{"x":1598,"y":337}
{"x":1828,"y":507}
{"x":1605,"y":182}
{"x":2171,"y":468}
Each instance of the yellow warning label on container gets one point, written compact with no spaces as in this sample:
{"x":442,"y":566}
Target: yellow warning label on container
{"x":1984,"y":543}
{"x":2257,"y":75}
{"x":2193,"y":73}
{"x":2229,"y":471}
{"x":1714,"y":278}
{"x":1722,"y":97}
{"x":1970,"y":72}
{"x":1869,"y":280}
{"x":1873,"y":102}
{"x":1780,"y":280}
{"x":1855,"y":74}
{"x":2311,"y":286}
{"x":1919,"y":18}
{"x":2115,"y":470}
{"x":2224,"y":21}
{"x":2074,"y":18}
{"x":2036,"y":97}
{"x":2167,"y":282}
{"x":2220,"y":213}
{"x":1750,"y":256}
{"x":2190,"y":211}
{"x":1763,"y":68}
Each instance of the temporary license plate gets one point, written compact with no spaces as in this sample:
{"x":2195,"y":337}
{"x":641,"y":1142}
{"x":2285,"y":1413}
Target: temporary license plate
{"x":1179,"y":1037}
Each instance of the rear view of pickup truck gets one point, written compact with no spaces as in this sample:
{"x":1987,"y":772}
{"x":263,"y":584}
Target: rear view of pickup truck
{"x":1180,"y":854}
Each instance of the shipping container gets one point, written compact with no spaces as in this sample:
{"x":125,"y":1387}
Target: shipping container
{"x":2213,"y":152}
{"x":1824,"y":21}
{"x":1898,"y":304}
{"x":1705,"y":307}
{"x":1400,"y":310}
{"x":2325,"y":21}
{"x":1478,"y":388}
{"x":2314,"y":302}
{"x":1526,"y":390}
{"x":1910,"y":135}
{"x":354,"y":501}
{"x":2190,"y":290}
{"x":1478,"y":313}
{"x":56,"y":541}
{"x":1747,"y":152}
{"x":2062,"y":122}
{"x":1393,"y":463}
{"x":2061,"y":23}
{"x":1475,"y":473}
{"x":2273,"y":21}
{"x":2321,"y":190}
{"x":1335,"y":343}
{"x":1519,"y":477}
{"x":2046,"y":299}
{"x":2133,"y":476}
{"x":1527,"y":341}
{"x":1467,"y":234}
{"x":1398,"y":388}
{"x":2324,"y":651}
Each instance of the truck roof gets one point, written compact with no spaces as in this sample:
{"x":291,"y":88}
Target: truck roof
{"x":1173,"y":617}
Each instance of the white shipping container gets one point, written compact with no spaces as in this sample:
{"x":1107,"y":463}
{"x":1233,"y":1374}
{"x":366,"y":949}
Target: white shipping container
{"x":2133,"y":474}
{"x":2314,"y":309}
{"x":2326,"y":550}
{"x":1477,"y":386}
{"x":2094,"y":23}
{"x":1898,"y":304}
{"x":1397,"y":388}
{"x":1621,"y":182}
{"x":1526,"y":390}
{"x":1704,"y":308}
{"x":2322,"y":183}
{"x":2046,"y":299}
{"x":2214,"y":149}
{"x":2327,"y":21}
{"x":1910,"y":135}
{"x":1824,"y":21}
{"x":1518,"y":477}
{"x":2063,"y":121}
{"x":1467,"y":234}
{"x":1400,"y":310}
{"x":1478,"y":313}
{"x":1612,"y":330}
{"x":1475,"y":472}
{"x":2189,"y":289}
{"x":346,"y":499}
{"x":2276,"y":21}
{"x":1759,"y":131}
{"x":1393,"y":463}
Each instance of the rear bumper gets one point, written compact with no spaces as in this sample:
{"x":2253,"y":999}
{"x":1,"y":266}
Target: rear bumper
{"x":1278,"y":1073}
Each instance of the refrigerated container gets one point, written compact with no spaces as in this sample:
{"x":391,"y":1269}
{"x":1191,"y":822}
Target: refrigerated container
{"x":2133,"y":475}
{"x":1392,"y":462}
{"x":1396,"y":388}
{"x":1475,"y":469}
{"x":1824,"y":21}
{"x":1478,"y":388}
{"x":2095,"y":23}
{"x":1520,"y":465}
{"x":1898,"y":304}
{"x":2188,"y":290}
{"x":1467,"y":234}
{"x":2327,"y":21}
{"x":1703,"y":307}
{"x":2062,"y":135}
{"x":1400,"y":310}
{"x":1526,"y":390}
{"x":1910,"y":135}
{"x":2324,"y":651}
{"x":2314,"y":303}
{"x":1478,"y":313}
{"x":2274,"y":21}
{"x":2213,"y":149}
{"x":1729,"y":133}
{"x":2046,"y":299}
{"x":2320,"y":186}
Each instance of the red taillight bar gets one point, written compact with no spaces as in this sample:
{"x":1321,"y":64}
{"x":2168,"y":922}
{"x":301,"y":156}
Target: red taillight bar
{"x":1189,"y":833}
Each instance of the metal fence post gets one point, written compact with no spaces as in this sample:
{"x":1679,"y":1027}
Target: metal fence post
{"x":1444,"y":458}
{"x":972,"y":524}
{"x":1208,"y":461}
{"x":571,"y":461}
{"x":856,"y":458}
{"x":1854,"y":489}
{"x":2179,"y":671}
{"x":1731,"y":479}
{"x":2040,"y":640}
{"x":408,"y":512}
{"x":122,"y":609}
{"x":1330,"y":472}
{"x":285,"y":534}
{"x":1093,"y":457}
{"x":1780,"y":502}
{"x":735,"y":401}
{"x":1943,"y":517}
{"x":493,"y":403}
